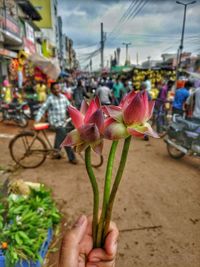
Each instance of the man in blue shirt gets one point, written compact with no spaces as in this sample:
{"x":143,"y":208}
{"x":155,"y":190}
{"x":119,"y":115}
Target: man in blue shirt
{"x":180,"y":98}
{"x":118,"y":91}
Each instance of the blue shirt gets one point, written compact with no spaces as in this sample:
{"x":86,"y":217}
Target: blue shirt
{"x":180,"y":98}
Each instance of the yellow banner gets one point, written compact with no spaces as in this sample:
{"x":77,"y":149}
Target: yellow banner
{"x":44,"y":8}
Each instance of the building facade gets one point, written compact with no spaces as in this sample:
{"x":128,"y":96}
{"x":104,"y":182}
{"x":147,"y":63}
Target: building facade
{"x":16,"y":32}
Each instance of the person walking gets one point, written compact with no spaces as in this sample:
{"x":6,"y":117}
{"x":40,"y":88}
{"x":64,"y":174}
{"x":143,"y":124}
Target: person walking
{"x":180,"y":98}
{"x":118,"y":91}
{"x":147,"y":81}
{"x":41,"y":90}
{"x":7,"y":91}
{"x":194,"y":102}
{"x":104,"y":94}
{"x":78,"y":94}
{"x":56,"y":106}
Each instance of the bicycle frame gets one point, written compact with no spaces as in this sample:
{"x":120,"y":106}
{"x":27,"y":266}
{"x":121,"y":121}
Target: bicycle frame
{"x":46,"y":139}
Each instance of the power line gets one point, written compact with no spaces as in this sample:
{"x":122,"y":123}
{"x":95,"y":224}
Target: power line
{"x":123,"y":17}
{"x":136,"y":9}
{"x":128,"y":11}
{"x":132,"y":14}
{"x":84,"y":47}
{"x":93,"y":54}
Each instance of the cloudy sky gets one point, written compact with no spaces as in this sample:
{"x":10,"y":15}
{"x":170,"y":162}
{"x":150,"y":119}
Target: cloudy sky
{"x":152,"y":27}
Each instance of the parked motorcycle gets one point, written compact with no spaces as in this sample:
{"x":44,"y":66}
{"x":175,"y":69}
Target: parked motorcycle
{"x":14,"y":112}
{"x":32,"y":109}
{"x":183,"y":137}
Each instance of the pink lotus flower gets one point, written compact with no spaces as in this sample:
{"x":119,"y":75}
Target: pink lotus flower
{"x":89,"y":124}
{"x":130,"y":117}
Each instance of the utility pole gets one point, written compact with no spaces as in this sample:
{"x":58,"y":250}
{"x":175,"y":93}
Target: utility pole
{"x":90,"y":65}
{"x":102,"y":46}
{"x":127,"y":45}
{"x":180,"y":50}
{"x":137,"y":59}
{"x":149,"y":62}
{"x":107,"y":63}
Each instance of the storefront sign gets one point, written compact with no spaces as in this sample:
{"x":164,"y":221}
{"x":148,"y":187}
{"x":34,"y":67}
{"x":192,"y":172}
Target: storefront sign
{"x":8,"y":53}
{"x":29,"y":47}
{"x":29,"y":32}
{"x":44,"y":7}
{"x":47,"y":49}
{"x":9,"y":24}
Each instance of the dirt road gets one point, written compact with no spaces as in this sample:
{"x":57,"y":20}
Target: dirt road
{"x":157,"y":208}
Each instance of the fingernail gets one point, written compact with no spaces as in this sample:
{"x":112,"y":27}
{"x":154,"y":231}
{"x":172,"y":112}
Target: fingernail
{"x":80,"y":221}
{"x":114,"y":245}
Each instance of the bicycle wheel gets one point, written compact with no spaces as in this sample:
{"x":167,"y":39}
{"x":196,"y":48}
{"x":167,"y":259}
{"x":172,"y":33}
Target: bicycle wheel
{"x":28,"y":151}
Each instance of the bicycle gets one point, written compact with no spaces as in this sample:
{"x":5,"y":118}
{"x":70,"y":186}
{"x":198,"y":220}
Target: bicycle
{"x":29,"y":150}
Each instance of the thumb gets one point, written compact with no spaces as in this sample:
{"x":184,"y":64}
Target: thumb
{"x":79,"y":229}
{"x":70,"y":246}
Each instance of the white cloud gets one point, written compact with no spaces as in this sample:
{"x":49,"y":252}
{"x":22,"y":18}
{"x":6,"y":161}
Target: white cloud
{"x":157,"y":28}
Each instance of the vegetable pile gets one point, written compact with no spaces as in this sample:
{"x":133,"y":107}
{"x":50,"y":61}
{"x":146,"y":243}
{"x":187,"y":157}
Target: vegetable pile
{"x":24,"y":223}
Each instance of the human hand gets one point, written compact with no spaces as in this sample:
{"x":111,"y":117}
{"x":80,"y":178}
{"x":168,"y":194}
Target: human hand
{"x":77,"y":246}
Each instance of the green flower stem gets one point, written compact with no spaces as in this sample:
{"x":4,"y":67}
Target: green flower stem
{"x":106,"y":196}
{"x":116,"y":185}
{"x":95,"y":193}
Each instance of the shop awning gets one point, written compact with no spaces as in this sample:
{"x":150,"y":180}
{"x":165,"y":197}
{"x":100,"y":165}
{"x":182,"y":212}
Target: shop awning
{"x":121,"y":68}
{"x":48,"y":66}
{"x":29,"y":9}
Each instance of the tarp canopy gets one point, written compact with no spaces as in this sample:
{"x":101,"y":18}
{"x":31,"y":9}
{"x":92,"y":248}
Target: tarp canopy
{"x":121,"y":68}
{"x":48,"y":66}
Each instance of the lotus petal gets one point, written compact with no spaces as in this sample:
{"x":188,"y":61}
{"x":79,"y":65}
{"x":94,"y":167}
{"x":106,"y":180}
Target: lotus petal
{"x":115,"y":131}
{"x":127,"y":99}
{"x":141,"y":130}
{"x":135,"y":133}
{"x":135,"y":111}
{"x":114,"y":112}
{"x":72,"y":139}
{"x":150,"y":109}
{"x":108,"y":121}
{"x":150,"y":131}
{"x":98,"y":148}
{"x":97,"y":101}
{"x":98,"y":119}
{"x":144,"y":97}
{"x":81,"y":147}
{"x":94,"y":105}
{"x":89,"y":133}
{"x":84,"y":107}
{"x":76,"y":116}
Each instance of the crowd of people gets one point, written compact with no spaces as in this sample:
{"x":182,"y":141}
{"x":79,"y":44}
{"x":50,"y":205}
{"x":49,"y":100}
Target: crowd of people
{"x":182,"y":97}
